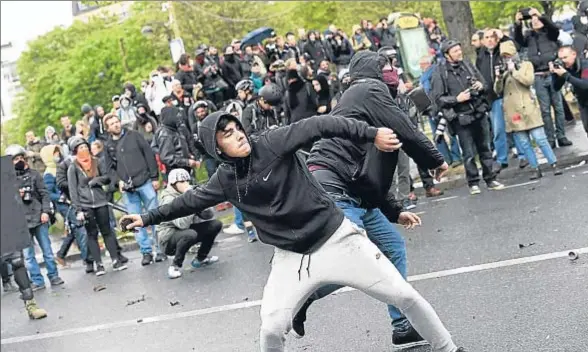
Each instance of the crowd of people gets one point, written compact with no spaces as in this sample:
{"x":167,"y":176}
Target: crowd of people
{"x":253,"y":115}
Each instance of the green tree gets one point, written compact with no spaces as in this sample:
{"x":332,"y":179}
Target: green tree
{"x":87,"y":62}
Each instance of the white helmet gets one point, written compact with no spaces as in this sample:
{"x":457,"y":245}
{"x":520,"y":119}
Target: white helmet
{"x":178,"y":175}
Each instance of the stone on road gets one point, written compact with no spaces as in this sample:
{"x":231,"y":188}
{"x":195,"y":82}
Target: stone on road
{"x":526,"y":300}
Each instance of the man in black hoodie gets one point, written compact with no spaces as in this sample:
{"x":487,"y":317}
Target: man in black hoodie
{"x":136,"y":97}
{"x":265,"y":178}
{"x":232,"y":71}
{"x":358,"y":176}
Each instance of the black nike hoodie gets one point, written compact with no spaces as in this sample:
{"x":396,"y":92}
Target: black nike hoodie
{"x":272,"y":186}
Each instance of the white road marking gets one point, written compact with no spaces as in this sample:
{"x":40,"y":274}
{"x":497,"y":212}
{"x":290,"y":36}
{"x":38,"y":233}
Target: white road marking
{"x":444,"y":199}
{"x":521,"y":184}
{"x":250,"y":304}
{"x":585,"y":172}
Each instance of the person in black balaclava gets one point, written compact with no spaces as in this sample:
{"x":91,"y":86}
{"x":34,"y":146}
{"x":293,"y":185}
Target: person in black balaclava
{"x":136,"y":97}
{"x":321,"y":87}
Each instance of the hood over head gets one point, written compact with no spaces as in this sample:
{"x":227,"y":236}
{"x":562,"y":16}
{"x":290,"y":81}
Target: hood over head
{"x":132,"y":88}
{"x":49,"y":130}
{"x":169,"y":117}
{"x":207,"y":134}
{"x":47,"y":156}
{"x":367,"y":64}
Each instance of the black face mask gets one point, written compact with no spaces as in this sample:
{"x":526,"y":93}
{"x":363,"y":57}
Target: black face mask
{"x":20,"y":165}
{"x":291,"y":74}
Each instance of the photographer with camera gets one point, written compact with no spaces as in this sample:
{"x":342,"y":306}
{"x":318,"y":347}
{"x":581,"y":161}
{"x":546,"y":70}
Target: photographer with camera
{"x":542,"y":44}
{"x":457,"y":89}
{"x":521,"y":109}
{"x":573,"y":69}
{"x":131,"y":161}
{"x":37,"y":205}
{"x":580,"y":22}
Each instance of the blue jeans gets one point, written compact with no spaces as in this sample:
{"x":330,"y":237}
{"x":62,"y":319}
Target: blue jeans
{"x":384,"y":235}
{"x":76,"y":231}
{"x":134,"y":202}
{"x":549,"y":97}
{"x":540,"y":138}
{"x":450,"y":155}
{"x":499,"y":132}
{"x":239,"y":219}
{"x":41,"y":234}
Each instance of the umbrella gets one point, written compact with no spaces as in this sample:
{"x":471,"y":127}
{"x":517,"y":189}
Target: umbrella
{"x":256,"y":36}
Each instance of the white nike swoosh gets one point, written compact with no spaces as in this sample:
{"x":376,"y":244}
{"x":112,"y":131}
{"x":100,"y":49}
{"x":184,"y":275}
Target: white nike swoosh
{"x":268,"y":175}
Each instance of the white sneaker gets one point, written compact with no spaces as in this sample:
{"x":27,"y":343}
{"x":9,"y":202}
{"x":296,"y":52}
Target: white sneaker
{"x":174,"y":272}
{"x":233,"y":230}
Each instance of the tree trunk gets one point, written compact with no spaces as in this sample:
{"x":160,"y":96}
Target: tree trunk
{"x":459,"y":22}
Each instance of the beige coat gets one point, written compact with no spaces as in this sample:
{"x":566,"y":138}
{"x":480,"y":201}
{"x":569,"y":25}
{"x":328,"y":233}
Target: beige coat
{"x":521,"y":108}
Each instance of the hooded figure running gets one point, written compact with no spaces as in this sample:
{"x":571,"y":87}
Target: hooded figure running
{"x":264,"y":177}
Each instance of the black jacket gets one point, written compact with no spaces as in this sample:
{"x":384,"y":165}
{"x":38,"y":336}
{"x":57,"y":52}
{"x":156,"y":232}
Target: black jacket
{"x":188,"y":79}
{"x":138,"y":98}
{"x":541,"y":45}
{"x":256,"y":120}
{"x":232,"y":70}
{"x":130,"y":158}
{"x":577,"y":76}
{"x":61,"y":176}
{"x":341,"y":52}
{"x":83,"y":193}
{"x":449,"y":80}
{"x":39,"y":202}
{"x":387,"y":36}
{"x":174,"y":151}
{"x":316,"y":50}
{"x":486,"y":61}
{"x":300,"y":99}
{"x":272,"y":186}
{"x":98,"y":129}
{"x":367,"y":172}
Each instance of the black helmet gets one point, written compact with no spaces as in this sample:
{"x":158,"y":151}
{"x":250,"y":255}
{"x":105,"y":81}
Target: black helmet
{"x":271,"y":94}
{"x":244,"y":85}
{"x":74,"y":143}
{"x":448,"y":45}
{"x":86,"y":108}
{"x":15,"y":150}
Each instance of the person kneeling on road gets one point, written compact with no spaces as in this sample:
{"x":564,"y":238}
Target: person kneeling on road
{"x":177,"y":236}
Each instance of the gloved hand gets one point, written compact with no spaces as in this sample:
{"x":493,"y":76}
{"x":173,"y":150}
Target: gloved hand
{"x":94,"y":183}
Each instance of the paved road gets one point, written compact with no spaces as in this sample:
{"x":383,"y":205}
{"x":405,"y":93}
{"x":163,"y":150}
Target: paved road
{"x":537,"y":303}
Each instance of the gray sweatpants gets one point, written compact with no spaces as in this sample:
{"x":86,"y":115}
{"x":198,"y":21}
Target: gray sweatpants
{"x":348,"y":258}
{"x":401,"y":182}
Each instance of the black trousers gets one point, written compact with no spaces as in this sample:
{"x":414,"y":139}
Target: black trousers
{"x":474,"y":139}
{"x":181,"y":241}
{"x":584,"y":116}
{"x":99,"y":219}
{"x":21,"y":277}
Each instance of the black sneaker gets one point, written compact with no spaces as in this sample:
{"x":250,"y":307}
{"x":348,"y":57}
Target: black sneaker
{"x":408,"y":338}
{"x":56,"y":281}
{"x":299,"y":319}
{"x":147,"y":259}
{"x":535,"y":174}
{"x":89,"y":268}
{"x":122,"y":258}
{"x":117,"y":265}
{"x":556,"y":170}
{"x":461,"y":349}
{"x":100,"y":270}
{"x":564,"y":142}
{"x":523,"y":163}
{"x":159,"y":257}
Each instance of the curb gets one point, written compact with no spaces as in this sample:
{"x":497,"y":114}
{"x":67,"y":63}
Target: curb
{"x":460,"y":180}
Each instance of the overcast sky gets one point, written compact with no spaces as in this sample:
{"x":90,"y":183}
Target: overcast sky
{"x":22,"y":21}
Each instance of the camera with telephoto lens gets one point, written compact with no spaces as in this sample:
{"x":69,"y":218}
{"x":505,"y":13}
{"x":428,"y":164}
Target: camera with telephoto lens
{"x":441,"y":128}
{"x":27,"y":196}
{"x":558,"y":63}
{"x":526,"y":13}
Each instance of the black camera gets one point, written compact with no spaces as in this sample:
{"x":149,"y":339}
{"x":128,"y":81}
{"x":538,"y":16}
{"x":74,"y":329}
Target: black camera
{"x":128,"y":185}
{"x":525,"y":12}
{"x":473,"y":92}
{"x":27,"y":196}
{"x":558,"y":63}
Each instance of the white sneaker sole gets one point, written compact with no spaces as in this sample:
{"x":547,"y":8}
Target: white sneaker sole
{"x":409,"y":345}
{"x":121,"y":268}
{"x":100,"y":273}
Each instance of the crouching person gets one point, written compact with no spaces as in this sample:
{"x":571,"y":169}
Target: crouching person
{"x":177,"y":236}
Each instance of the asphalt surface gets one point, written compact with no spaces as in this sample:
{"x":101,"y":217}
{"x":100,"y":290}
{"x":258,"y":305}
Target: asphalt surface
{"x":539,"y":306}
